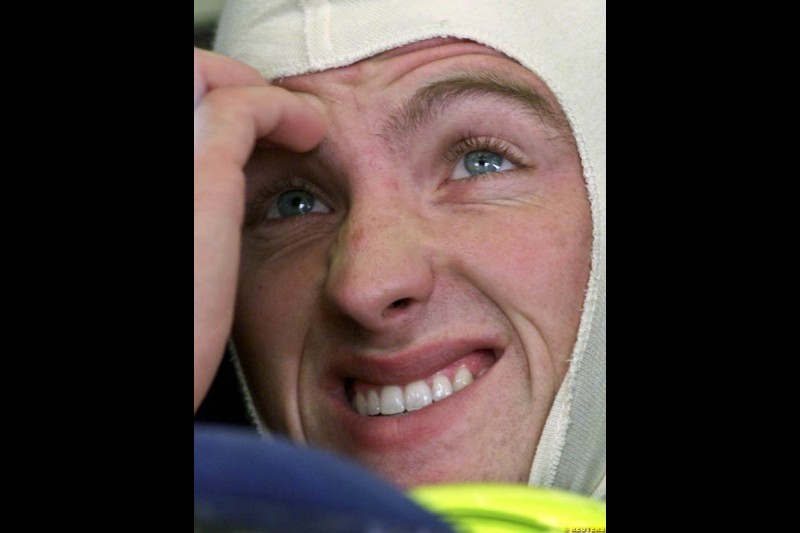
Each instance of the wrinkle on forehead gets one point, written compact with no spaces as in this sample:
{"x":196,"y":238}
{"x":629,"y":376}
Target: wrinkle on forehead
{"x":404,"y":59}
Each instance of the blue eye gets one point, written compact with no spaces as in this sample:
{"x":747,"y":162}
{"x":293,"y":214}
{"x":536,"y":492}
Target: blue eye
{"x":480,"y":162}
{"x":294,"y":203}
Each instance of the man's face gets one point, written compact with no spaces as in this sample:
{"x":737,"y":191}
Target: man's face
{"x":441,"y":233}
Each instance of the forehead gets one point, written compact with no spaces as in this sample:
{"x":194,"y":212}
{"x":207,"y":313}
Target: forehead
{"x":408,"y":67}
{"x":417,"y":81}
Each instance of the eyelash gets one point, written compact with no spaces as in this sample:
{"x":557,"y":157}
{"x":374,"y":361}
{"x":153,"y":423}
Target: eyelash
{"x":471,"y":143}
{"x":268,"y":193}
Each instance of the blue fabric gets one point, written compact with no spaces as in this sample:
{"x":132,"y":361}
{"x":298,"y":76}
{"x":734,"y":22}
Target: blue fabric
{"x":243,"y":482}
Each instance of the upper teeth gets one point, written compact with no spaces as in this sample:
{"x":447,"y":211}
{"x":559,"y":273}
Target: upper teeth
{"x":462,"y":379}
{"x":441,"y":387}
{"x":373,"y":403}
{"x":393,"y":399}
{"x":417,"y":396}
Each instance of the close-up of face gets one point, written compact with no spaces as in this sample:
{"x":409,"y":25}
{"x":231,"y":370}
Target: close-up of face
{"x":410,"y":290}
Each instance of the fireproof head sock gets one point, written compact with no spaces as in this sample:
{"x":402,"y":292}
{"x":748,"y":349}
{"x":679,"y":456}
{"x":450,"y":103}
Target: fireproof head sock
{"x":563,"y":42}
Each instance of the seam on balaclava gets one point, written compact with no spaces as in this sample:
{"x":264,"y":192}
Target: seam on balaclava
{"x":306,"y":4}
{"x":250,"y":405}
{"x":317,"y":27}
{"x":555,"y":433}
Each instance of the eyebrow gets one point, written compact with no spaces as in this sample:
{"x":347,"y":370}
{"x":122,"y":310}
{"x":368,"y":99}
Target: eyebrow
{"x":434,"y":98}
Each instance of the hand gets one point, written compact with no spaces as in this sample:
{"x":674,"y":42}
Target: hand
{"x":233,"y":108}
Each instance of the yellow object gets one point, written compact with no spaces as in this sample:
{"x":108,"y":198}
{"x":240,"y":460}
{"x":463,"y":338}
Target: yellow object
{"x":496,"y":508}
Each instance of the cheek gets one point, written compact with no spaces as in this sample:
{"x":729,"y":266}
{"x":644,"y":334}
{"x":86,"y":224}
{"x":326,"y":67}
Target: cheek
{"x":274,"y":307}
{"x":549,"y":254}
{"x":273,"y":300}
{"x":534,"y":264}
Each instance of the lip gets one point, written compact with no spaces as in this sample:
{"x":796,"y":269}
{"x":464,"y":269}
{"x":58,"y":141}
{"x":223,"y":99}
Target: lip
{"x":412,"y":364}
{"x":385,"y":433}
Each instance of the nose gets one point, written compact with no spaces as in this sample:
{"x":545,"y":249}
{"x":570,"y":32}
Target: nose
{"x":380,"y":269}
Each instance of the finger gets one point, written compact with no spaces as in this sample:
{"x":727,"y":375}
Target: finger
{"x":227,"y":124}
{"x":212,"y":71}
{"x":230,"y":120}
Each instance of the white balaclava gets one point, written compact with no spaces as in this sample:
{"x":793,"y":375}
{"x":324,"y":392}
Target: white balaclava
{"x":563,"y":42}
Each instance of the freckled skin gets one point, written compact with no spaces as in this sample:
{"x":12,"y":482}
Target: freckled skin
{"x":506,"y":256}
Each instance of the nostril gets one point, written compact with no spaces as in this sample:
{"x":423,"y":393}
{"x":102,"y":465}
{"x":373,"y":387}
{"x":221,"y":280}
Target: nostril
{"x":400,"y":304}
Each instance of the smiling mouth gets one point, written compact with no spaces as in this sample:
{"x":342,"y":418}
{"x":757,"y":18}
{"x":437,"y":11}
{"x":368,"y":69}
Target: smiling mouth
{"x":369,"y":399}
